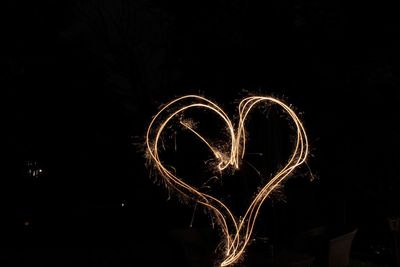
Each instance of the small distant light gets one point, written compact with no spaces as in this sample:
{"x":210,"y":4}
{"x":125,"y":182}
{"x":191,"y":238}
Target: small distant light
{"x":27,"y":223}
{"x":122,"y":204}
{"x":40,"y":170}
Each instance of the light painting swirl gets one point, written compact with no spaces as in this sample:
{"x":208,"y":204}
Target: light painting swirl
{"x":237,"y":232}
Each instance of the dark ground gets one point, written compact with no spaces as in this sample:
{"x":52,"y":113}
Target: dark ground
{"x":81,"y":79}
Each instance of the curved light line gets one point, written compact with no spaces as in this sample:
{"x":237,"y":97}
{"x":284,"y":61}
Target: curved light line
{"x":237,"y":232}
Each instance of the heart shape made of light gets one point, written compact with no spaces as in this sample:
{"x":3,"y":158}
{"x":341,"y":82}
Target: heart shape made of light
{"x":237,"y":232}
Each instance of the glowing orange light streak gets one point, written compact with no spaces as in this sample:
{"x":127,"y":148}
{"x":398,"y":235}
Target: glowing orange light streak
{"x":237,"y":232}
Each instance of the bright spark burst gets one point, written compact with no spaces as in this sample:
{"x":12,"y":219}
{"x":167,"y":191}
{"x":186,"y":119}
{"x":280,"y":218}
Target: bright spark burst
{"x":237,"y":231}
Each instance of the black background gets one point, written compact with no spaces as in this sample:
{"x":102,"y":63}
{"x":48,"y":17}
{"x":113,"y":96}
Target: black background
{"x":80,"y":81}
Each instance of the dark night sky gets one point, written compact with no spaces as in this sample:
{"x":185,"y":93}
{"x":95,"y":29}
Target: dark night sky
{"x":81,"y":79}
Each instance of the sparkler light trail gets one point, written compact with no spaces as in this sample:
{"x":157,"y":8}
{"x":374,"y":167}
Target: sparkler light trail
{"x":237,"y":232}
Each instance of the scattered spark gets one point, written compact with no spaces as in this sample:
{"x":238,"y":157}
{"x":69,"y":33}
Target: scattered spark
{"x":254,"y":168}
{"x":194,"y":212}
{"x":237,"y":231}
